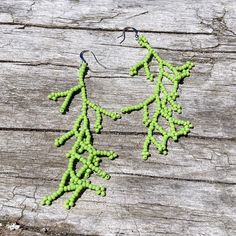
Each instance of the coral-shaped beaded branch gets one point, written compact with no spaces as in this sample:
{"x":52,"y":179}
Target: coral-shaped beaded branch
{"x":73,"y":180}
{"x":162,"y":99}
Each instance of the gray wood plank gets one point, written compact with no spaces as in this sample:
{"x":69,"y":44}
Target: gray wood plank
{"x":207,"y":160}
{"x":207,"y":97}
{"x":167,"y":16}
{"x":205,"y":102}
{"x":182,"y":194}
{"x":148,"y":206}
{"x":63,"y":46}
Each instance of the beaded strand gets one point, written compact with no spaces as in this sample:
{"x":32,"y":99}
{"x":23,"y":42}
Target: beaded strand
{"x":73,"y":180}
{"x":161,"y":98}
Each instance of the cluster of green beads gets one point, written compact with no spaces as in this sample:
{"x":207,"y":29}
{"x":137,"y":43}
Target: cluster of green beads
{"x":162,"y":99}
{"x":73,"y":180}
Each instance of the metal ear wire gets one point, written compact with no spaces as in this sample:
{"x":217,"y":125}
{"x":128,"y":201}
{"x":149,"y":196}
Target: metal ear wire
{"x":123,"y":33}
{"x":82,"y":57}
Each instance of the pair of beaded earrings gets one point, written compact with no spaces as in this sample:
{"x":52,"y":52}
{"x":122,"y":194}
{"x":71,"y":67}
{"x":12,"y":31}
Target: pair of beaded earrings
{"x":77,"y":181}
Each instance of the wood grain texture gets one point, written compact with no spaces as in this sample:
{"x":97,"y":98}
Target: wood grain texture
{"x":208,"y":96}
{"x":193,"y":195}
{"x":190,"y":192}
{"x":165,"y":16}
{"x":208,"y":160}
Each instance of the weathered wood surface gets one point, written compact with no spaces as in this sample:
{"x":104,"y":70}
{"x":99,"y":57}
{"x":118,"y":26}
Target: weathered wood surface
{"x":186,"y":196}
{"x":192,"y":191}
{"x":213,"y":75}
{"x":166,"y":16}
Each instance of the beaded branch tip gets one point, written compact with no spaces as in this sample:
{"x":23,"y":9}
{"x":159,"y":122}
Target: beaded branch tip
{"x":162,"y":99}
{"x":73,"y":180}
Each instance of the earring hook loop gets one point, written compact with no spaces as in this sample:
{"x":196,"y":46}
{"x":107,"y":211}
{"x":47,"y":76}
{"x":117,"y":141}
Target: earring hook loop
{"x":82,"y":57}
{"x":126,"y":29}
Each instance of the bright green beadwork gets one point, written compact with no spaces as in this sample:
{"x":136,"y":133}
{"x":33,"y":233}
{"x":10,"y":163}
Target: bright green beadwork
{"x":162,"y":99}
{"x":73,"y":180}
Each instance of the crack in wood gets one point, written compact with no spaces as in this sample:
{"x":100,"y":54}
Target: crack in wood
{"x":28,"y":25}
{"x":131,"y":175}
{"x":109,"y":132}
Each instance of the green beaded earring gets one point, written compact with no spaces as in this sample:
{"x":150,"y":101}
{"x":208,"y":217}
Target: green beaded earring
{"x":163,"y":100}
{"x":77,"y":180}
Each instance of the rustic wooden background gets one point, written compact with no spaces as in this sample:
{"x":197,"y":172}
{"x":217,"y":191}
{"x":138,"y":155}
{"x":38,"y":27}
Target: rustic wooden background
{"x":192,"y":191}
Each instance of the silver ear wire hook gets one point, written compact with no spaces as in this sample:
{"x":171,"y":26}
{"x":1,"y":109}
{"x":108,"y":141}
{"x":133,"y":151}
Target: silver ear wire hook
{"x":82,"y":58}
{"x":123,"y":33}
